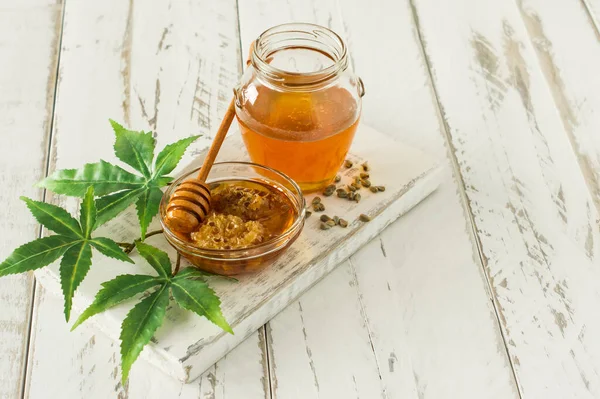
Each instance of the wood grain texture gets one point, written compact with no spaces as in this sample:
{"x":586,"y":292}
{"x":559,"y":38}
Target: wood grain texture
{"x":572,"y":83}
{"x":27,"y":84}
{"x":504,"y":107}
{"x":376,"y":313}
{"x":167,"y":67}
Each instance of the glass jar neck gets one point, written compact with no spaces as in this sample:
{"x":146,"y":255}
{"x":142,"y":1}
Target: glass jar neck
{"x":299,"y":56}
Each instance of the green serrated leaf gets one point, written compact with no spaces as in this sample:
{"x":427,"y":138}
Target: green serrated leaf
{"x":158,"y":259}
{"x":87,"y":216}
{"x":140,"y":325}
{"x":136,"y":149}
{"x":163,"y":181}
{"x":197,"y":296}
{"x":74,"y":266}
{"x":118,"y":188}
{"x":192,"y":272}
{"x":108,"y":247}
{"x":111,"y":205}
{"x":170,"y":156}
{"x":36,"y":254}
{"x":105,"y":177}
{"x":147,"y":207}
{"x":116,"y":291}
{"x":54,"y":218}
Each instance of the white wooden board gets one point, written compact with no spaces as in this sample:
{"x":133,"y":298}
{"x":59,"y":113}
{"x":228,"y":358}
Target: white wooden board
{"x":187,"y":344}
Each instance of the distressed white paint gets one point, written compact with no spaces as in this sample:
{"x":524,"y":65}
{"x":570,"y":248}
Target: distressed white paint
{"x":188,"y":344}
{"x":424,"y":305}
{"x":86,"y":364}
{"x":28,"y":54}
{"x":573,"y":84}
{"x":114,"y":56}
{"x":534,"y":216}
{"x":445,"y":337}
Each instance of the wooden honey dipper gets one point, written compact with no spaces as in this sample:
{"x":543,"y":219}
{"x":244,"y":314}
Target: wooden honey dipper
{"x":190,"y":203}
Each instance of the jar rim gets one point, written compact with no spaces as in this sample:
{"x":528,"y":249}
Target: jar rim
{"x":280,"y":36}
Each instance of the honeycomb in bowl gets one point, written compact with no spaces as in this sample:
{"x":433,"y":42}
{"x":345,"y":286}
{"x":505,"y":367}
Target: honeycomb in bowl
{"x":222,"y":231}
{"x":244,"y":214}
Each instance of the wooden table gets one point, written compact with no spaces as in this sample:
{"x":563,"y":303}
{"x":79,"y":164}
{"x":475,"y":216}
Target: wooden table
{"x":488,"y":289}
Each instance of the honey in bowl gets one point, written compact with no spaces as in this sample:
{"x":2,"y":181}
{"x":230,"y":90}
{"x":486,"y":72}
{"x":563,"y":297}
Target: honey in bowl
{"x":243,"y":214}
{"x":256,"y":214}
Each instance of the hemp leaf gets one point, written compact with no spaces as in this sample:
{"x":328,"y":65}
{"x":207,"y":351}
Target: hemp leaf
{"x":119,"y":188}
{"x":73,"y":242}
{"x":188,"y":288}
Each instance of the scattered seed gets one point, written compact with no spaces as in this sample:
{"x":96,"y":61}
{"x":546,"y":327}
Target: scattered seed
{"x":356,"y":185}
{"x":324,"y":218}
{"x":374,"y":189}
{"x":308,"y":213}
{"x":348,"y":163}
{"x":356,"y":180}
{"x":325,"y":226}
{"x":351,"y":195}
{"x":352,"y":187}
{"x":365,"y":183}
{"x":336,"y":220}
{"x":343,"y":223}
{"x":329,"y":190}
{"x":330,"y":223}
{"x":381,"y":188}
{"x":364,"y":175}
{"x":318,"y":207}
{"x":366,"y":166}
{"x":357,"y":197}
{"x":316,"y":200}
{"x":337,"y":179}
{"x":364,"y":218}
{"x":342,"y":193}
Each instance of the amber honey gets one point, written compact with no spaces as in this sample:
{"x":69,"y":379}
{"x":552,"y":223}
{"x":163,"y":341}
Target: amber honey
{"x":306,"y":135}
{"x":243,"y":214}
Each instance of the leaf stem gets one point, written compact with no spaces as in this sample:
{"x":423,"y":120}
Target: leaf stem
{"x":130,"y":246}
{"x":153,"y":233}
{"x":177,"y":264}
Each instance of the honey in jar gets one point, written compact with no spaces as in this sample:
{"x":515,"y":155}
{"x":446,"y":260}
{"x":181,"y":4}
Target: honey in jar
{"x":298,"y":105}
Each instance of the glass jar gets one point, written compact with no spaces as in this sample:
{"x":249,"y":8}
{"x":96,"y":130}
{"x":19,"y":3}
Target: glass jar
{"x":298,"y":103}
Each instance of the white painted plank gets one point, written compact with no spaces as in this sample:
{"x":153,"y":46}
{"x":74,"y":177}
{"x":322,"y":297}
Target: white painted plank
{"x":169,"y":66}
{"x":27,"y":80}
{"x":573,"y":84}
{"x":426,"y":312}
{"x":533,"y":214}
{"x":86,"y":364}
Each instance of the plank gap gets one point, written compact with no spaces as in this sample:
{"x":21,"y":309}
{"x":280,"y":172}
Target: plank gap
{"x":367,"y":326}
{"x":445,"y":128}
{"x":49,"y":134}
{"x":588,"y":10}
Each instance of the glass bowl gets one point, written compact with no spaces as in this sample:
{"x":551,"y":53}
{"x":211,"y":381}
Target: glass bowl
{"x":244,"y":260}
